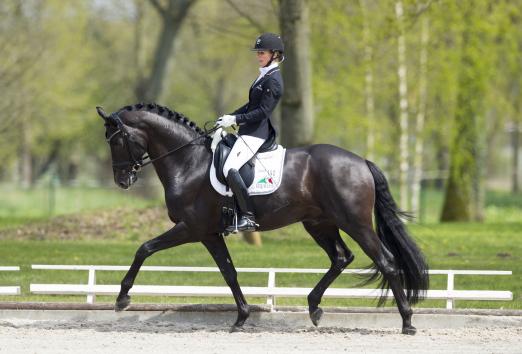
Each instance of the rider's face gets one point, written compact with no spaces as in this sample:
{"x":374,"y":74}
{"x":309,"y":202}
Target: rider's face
{"x":263,"y":57}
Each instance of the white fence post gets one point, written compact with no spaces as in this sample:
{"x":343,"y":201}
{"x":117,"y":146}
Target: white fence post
{"x":270,"y":300}
{"x":91,"y":297}
{"x":10,"y":290}
{"x":450,"y":302}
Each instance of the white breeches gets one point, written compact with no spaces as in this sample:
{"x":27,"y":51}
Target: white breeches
{"x":243,"y":150}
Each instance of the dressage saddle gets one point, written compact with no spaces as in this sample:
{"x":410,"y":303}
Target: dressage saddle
{"x":247,"y":171}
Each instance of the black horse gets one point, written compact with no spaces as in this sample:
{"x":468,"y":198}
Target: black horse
{"x":325,"y":187}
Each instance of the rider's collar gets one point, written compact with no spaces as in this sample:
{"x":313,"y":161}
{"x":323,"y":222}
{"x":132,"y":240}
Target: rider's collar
{"x":266,"y":69}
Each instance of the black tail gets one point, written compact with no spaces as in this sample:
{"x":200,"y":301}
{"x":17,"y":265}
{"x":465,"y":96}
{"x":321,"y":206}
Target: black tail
{"x":412,"y":266}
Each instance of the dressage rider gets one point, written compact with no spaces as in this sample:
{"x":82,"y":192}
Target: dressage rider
{"x":254,"y":123}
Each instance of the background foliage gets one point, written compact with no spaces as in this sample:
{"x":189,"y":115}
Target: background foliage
{"x":60,"y":59}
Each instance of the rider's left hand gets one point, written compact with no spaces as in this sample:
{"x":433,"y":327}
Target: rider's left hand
{"x":226,"y":121}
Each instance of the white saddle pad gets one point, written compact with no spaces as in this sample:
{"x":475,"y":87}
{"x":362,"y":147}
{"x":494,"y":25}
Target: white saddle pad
{"x":268,"y":174}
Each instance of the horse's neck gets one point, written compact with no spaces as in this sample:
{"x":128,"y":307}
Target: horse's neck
{"x":182,"y":165}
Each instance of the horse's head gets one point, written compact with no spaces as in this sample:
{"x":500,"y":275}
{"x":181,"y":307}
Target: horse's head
{"x":128,"y":145}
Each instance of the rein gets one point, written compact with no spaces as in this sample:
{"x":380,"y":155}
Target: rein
{"x":137,"y":164}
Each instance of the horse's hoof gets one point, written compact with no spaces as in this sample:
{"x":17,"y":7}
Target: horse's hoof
{"x":242,"y":316}
{"x":316,"y":315}
{"x":410,"y":330}
{"x":122,"y":304}
{"x":240,"y":322}
{"x":236,"y":328}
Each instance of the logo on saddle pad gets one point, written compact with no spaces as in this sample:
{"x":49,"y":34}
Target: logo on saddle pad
{"x":266,"y":180}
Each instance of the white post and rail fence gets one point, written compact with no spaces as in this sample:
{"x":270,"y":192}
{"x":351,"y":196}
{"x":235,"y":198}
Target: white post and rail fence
{"x":271,"y":291}
{"x":9,"y":290}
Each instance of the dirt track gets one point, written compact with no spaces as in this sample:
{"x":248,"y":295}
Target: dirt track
{"x":160,"y":337}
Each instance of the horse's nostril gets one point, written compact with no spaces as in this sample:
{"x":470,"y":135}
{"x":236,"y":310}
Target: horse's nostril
{"x":123,"y":185}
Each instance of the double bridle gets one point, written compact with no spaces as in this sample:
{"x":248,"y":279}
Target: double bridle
{"x":137,"y":164}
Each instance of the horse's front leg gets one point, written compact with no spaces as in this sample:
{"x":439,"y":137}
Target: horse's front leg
{"x":176,"y":236}
{"x":218,"y":250}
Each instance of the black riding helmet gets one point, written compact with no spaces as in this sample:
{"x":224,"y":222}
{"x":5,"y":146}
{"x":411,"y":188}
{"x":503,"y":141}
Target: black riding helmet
{"x":269,"y":41}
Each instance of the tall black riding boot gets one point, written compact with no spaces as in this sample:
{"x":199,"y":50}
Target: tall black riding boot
{"x":246,"y":221}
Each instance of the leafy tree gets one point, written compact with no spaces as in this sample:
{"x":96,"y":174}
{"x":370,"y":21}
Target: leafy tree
{"x":465,"y":179}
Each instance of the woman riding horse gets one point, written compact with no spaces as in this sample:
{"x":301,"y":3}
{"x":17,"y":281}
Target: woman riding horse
{"x":254,"y":123}
{"x":325,"y":187}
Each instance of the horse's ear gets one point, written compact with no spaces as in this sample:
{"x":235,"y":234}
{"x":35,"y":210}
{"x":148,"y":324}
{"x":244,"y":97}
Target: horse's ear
{"x":102,"y":113}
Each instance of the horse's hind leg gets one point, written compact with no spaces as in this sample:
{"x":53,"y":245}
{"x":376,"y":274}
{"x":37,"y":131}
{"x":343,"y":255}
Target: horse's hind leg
{"x":385,"y":262}
{"x":327,"y":236}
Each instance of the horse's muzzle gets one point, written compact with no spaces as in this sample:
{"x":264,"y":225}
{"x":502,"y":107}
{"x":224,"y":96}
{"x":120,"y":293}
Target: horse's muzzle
{"x":126,"y":180}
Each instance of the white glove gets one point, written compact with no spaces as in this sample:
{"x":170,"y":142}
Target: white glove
{"x":216,"y":138}
{"x":226,"y":121}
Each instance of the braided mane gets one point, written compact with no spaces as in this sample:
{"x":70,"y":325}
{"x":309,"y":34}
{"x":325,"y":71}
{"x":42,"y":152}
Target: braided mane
{"x":164,"y":112}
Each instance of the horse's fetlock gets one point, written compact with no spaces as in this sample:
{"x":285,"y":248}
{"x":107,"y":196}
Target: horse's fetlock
{"x":244,"y":310}
{"x":408,"y":313}
{"x":313,"y":300}
{"x":126,"y":285}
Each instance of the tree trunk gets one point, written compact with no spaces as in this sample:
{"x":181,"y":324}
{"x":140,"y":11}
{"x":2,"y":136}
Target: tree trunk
{"x":172,"y":16}
{"x":49,"y":160}
{"x":464,"y":189}
{"x":368,"y":85}
{"x":403,"y":97}
{"x":276,"y":121}
{"x":478,"y":191}
{"x":516,"y":130}
{"x":297,"y":116}
{"x":515,"y":146}
{"x":26,"y":159}
{"x":421,"y":114}
{"x":253,"y":238}
{"x":139,"y":53}
{"x":218,"y":96}
{"x":149,"y":89}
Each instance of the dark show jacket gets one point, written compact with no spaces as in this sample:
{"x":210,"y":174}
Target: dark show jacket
{"x":254,"y":117}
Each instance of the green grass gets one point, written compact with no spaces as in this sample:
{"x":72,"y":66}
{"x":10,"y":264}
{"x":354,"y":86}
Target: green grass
{"x":447,"y":246}
{"x":21,"y":206}
{"x":113,"y":235}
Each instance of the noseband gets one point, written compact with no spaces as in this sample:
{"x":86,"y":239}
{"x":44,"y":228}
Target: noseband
{"x":137,"y":164}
